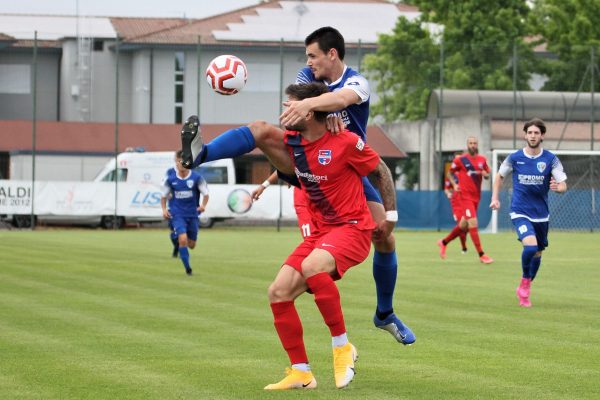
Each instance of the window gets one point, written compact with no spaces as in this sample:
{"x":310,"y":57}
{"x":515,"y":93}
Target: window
{"x":98,"y":45}
{"x":179,"y":75}
{"x":110,"y":177}
{"x":213,"y":174}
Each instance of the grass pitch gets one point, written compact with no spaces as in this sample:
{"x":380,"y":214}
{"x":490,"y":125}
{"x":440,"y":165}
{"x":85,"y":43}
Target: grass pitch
{"x":90,"y":314}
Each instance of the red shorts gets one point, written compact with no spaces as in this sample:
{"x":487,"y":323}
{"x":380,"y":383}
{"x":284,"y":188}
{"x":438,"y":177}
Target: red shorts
{"x":348,"y":245}
{"x":469,"y":208}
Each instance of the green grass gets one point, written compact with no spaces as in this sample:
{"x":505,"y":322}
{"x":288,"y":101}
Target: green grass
{"x":90,"y":314}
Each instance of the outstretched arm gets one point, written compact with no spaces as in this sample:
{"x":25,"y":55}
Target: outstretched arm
{"x":385,"y":184}
{"x":261,"y":188}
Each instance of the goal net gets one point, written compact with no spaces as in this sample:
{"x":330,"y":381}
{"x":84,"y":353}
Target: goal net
{"x":575,"y":210}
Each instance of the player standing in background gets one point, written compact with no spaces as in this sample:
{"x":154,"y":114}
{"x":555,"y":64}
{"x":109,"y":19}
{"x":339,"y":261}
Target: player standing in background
{"x":469,"y":167}
{"x":455,"y":204}
{"x":535,"y":171}
{"x":183,"y":190}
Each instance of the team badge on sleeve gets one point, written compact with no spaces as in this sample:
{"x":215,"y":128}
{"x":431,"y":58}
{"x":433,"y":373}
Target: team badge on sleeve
{"x":360,"y":145}
{"x":541,"y":166}
{"x":324,"y":157}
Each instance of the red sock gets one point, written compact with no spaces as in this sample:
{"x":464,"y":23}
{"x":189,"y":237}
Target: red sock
{"x":475,"y":238}
{"x":289,"y":328}
{"x":327,"y":298}
{"x":452,"y":235}
{"x":463,"y":239}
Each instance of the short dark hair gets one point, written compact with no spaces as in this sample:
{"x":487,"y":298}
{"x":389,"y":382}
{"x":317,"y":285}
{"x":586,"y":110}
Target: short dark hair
{"x":537,"y":122}
{"x":328,"y":38}
{"x":304,"y":91}
{"x":179,"y":154}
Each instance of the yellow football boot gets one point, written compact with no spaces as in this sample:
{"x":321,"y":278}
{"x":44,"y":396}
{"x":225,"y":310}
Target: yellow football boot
{"x":295,"y":379}
{"x":343,"y":364}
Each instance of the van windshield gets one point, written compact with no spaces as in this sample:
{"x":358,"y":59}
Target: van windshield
{"x":213,"y":174}
{"x":110,"y":177}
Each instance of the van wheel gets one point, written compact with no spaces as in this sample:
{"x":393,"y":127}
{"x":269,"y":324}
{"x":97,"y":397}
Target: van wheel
{"x":109,"y":222}
{"x":23,"y":221}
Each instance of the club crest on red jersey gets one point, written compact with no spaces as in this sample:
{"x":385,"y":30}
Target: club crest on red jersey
{"x":324,"y":157}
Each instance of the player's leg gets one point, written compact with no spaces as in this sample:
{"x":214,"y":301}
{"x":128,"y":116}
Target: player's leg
{"x":527,"y":236}
{"x":541,"y":234}
{"x":470,"y":212}
{"x":193,"y":227}
{"x":385,"y":271}
{"x":285,"y":288}
{"x":234,"y":142}
{"x":336,"y":252}
{"x":180,"y":225}
{"x":457,"y":231}
{"x":174,"y":240}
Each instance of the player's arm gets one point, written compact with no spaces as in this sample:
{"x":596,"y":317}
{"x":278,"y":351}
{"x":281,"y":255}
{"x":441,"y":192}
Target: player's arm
{"x":166,"y":191}
{"x":485,"y":171}
{"x":450,"y":176}
{"x":296,"y":111}
{"x":261,"y":188}
{"x":558,"y":181}
{"x":505,"y":169}
{"x":498,"y":181}
{"x":203,"y":188}
{"x":382,"y":177}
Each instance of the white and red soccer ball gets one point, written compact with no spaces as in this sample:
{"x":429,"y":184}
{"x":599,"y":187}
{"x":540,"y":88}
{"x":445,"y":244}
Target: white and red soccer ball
{"x":226,"y":74}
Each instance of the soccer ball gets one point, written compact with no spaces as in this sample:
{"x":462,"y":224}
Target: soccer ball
{"x":226,"y":74}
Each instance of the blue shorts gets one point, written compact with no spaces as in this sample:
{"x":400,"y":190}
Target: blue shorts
{"x":187,"y":225}
{"x":370,"y":193}
{"x":525,"y":227}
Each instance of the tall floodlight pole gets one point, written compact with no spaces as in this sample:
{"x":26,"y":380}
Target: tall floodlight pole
{"x":117,"y":50}
{"x":33,"y":129}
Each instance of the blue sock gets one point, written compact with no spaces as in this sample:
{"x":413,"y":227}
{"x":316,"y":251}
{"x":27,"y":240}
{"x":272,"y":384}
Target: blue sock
{"x":184,"y":254}
{"x":526,"y":256}
{"x":385,"y":269}
{"x":232,"y":143}
{"x":535,"y":266}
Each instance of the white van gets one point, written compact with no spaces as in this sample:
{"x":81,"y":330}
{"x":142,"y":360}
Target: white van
{"x":140,"y":176}
{"x":150,"y":168}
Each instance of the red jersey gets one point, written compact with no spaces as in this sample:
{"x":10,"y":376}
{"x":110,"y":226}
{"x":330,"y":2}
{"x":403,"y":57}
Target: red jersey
{"x":468,"y":169}
{"x":330,"y":170}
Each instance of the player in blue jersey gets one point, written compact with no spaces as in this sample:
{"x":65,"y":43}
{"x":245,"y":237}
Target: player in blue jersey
{"x":535,"y":171}
{"x":172,"y":233}
{"x":183,"y":189}
{"x":349,"y":99}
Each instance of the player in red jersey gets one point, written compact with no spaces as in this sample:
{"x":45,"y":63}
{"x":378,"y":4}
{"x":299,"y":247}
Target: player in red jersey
{"x":455,"y":204}
{"x":329,"y":169}
{"x":470,"y":168}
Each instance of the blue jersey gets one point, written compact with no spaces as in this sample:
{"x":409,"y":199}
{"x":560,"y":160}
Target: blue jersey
{"x":185,"y":193}
{"x":354,"y":116}
{"x":531,"y":183}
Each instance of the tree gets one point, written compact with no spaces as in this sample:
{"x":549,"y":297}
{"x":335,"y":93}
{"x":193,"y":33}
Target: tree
{"x":477,"y":38}
{"x":569,"y":28}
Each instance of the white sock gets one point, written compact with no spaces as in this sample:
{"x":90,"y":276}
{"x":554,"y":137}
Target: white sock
{"x":338,"y":341}
{"x":302,"y":367}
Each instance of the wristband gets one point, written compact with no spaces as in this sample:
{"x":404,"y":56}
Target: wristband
{"x":391,"y":216}
{"x":265,"y":184}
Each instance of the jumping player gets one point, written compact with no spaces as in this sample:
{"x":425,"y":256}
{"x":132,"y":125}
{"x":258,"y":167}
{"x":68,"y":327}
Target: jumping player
{"x":470,"y":167}
{"x":535,"y":171}
{"x":348,"y":97}
{"x":183,"y":188}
